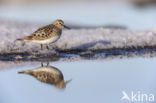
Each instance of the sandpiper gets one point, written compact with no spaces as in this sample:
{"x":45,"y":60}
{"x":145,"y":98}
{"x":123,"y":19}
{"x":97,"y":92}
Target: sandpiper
{"x":48,"y":74}
{"x":47,"y":34}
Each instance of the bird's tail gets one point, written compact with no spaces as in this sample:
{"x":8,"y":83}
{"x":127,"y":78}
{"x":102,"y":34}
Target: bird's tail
{"x":22,"y":72}
{"x":20,"y":39}
{"x":26,"y":72}
{"x":27,"y":38}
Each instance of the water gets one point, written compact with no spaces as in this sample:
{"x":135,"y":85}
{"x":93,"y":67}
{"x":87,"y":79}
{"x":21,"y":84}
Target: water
{"x":89,"y":14}
{"x":92,"y":81}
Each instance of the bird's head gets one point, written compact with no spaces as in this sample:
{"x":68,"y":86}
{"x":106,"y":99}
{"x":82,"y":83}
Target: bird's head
{"x":60,"y":24}
{"x":61,"y":85}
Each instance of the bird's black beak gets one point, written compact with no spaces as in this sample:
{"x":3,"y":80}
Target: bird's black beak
{"x":66,"y":27}
{"x":68,"y":81}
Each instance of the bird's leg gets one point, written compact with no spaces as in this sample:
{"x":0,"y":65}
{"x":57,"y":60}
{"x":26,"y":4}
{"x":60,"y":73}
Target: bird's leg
{"x":41,"y":46}
{"x":47,"y":63}
{"x":41,"y":64}
{"x":47,"y":46}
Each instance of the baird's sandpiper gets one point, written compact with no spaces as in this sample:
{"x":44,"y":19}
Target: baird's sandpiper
{"x":48,"y":74}
{"x":47,"y":34}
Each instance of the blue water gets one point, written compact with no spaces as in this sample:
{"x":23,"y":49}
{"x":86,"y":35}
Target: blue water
{"x":98,"y":81}
{"x":85,"y":14}
{"x":92,"y":81}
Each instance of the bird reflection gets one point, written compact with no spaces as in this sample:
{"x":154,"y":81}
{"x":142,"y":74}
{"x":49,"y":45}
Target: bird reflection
{"x":48,"y":74}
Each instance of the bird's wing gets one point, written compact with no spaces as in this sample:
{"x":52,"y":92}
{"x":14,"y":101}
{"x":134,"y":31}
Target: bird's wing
{"x":43,"y":32}
{"x":44,"y":28}
{"x":40,"y":34}
{"x":56,"y":71}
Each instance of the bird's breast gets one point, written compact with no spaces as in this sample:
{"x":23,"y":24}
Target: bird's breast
{"x":49,"y":40}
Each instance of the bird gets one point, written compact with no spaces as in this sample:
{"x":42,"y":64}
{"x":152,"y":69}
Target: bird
{"x":47,"y":34}
{"x":48,"y":74}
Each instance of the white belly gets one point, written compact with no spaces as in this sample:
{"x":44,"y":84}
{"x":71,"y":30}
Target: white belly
{"x":47,"y":41}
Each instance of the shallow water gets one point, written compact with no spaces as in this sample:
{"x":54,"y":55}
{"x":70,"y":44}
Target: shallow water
{"x":92,"y":81}
{"x":90,"y":14}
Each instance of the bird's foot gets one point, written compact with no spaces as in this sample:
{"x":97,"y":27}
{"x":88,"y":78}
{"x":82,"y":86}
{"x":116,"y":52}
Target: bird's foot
{"x":47,"y":47}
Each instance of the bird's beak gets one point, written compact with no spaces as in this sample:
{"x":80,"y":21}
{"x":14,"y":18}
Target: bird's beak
{"x":66,"y":27}
{"x":68,"y":81}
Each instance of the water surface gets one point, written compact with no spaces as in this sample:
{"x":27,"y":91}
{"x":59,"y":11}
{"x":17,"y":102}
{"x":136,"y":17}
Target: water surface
{"x":92,"y":81}
{"x":91,"y":14}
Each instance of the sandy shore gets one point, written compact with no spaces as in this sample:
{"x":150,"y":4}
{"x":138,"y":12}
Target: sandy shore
{"x":81,"y":42}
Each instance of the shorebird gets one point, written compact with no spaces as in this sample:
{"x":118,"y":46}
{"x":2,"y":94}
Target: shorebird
{"x":47,"y":34}
{"x":48,"y":74}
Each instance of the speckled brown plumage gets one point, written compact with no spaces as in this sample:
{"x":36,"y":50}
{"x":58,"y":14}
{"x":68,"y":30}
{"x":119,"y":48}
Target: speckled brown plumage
{"x":44,"y":33}
{"x":47,"y":34}
{"x":48,"y":74}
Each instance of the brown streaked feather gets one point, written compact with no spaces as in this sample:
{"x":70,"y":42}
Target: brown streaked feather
{"x":46,"y":29}
{"x":43,"y":33}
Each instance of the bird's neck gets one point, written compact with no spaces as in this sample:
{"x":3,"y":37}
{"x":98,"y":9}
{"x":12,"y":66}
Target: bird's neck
{"x":60,"y":84}
{"x":58,"y":28}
